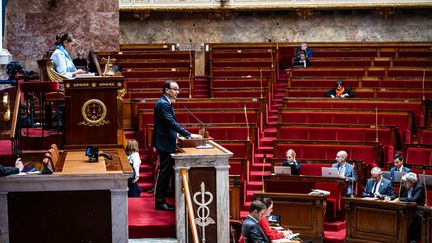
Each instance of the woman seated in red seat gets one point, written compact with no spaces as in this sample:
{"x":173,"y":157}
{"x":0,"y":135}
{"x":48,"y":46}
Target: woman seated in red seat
{"x":340,"y":91}
{"x":291,"y":162}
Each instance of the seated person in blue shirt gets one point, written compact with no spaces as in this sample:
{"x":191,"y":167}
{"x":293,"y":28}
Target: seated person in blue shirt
{"x":378,"y":186}
{"x":399,"y":166}
{"x":5,"y":170}
{"x":346,"y":171}
{"x":291,"y":162}
{"x":62,"y":61}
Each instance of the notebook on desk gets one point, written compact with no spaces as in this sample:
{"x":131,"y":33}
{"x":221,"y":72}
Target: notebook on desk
{"x":329,"y":172}
{"x":282,"y":170}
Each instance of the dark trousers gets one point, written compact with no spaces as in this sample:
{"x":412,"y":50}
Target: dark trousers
{"x":166,"y":170}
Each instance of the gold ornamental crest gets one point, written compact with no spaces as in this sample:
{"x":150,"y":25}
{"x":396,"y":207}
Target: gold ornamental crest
{"x":94,"y":113}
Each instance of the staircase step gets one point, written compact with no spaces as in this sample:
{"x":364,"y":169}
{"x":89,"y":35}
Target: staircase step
{"x":145,"y":186}
{"x":260,"y":156}
{"x":259,"y":166}
{"x":270,"y":130}
{"x":335,"y":236}
{"x":334,"y":226}
{"x":250,"y":194}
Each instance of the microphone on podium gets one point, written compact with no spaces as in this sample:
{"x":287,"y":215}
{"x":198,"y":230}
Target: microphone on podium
{"x":423,"y":80}
{"x":262,"y":175}
{"x":202,"y":131}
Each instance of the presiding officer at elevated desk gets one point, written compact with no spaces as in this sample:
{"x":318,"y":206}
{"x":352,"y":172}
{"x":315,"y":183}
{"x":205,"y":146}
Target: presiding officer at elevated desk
{"x":62,"y":60}
{"x":346,"y":170}
{"x":164,"y":140}
{"x":378,"y":186}
{"x":412,"y":191}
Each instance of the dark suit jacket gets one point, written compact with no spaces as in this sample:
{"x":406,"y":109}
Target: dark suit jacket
{"x":252,"y":232}
{"x":4,"y":171}
{"x":295,"y":167}
{"x":166,"y":127}
{"x":393,"y":170}
{"x":417,"y":195}
{"x":385,"y":189}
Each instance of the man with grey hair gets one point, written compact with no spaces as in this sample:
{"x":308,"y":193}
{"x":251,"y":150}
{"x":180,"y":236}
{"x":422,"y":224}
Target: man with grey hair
{"x":346,"y":171}
{"x":412,"y":191}
{"x":378,"y":186}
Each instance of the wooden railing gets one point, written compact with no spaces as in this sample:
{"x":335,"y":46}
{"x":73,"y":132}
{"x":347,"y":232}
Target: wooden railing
{"x":189,"y":205}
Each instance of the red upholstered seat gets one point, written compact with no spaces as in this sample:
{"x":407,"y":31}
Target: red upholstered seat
{"x":418,"y":155}
{"x":426,"y":137}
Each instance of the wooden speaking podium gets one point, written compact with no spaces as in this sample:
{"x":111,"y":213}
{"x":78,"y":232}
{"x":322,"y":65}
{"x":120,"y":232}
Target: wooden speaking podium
{"x":208,"y":172}
{"x":92,"y":112}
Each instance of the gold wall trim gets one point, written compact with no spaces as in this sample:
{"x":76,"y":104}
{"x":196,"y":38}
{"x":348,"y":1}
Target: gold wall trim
{"x":253,"y":6}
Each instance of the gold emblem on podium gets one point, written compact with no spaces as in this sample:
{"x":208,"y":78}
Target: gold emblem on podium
{"x":94,"y":113}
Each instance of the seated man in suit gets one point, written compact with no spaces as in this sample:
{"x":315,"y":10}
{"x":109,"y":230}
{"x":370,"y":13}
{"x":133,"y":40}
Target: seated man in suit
{"x":346,"y":171}
{"x":5,"y":170}
{"x":379,"y":187}
{"x":251,"y":231}
{"x":399,"y":166}
{"x":412,"y":191}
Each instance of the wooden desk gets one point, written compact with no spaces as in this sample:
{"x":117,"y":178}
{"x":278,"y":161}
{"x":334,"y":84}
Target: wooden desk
{"x":83,"y":202}
{"x":301,"y":213}
{"x":377,"y":221}
{"x":426,"y":221}
{"x":305,"y":184}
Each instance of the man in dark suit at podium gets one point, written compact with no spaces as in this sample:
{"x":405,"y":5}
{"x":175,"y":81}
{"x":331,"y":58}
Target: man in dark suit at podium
{"x":164,"y":140}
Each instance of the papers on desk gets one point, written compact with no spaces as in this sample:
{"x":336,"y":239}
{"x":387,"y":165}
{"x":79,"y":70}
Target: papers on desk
{"x":370,"y":198}
{"x":85,"y":75}
{"x":319,"y":192}
{"x":289,"y":238}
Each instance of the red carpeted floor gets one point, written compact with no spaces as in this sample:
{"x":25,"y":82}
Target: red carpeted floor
{"x":145,"y":222}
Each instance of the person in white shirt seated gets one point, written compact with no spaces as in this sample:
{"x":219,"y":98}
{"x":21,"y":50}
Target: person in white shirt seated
{"x":378,"y":186}
{"x":61,"y":58}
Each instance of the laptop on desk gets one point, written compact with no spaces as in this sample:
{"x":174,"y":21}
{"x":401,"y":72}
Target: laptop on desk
{"x":386,"y":174}
{"x":329,"y":172}
{"x":398,"y":175}
{"x":282,"y":170}
{"x":425,"y":179}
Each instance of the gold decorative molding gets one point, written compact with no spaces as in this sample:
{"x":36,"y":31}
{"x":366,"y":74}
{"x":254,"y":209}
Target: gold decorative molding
{"x":234,"y":5}
{"x":94,"y":113}
{"x":386,"y":12}
{"x":306,"y":13}
{"x":222,"y":14}
{"x":142,"y":15}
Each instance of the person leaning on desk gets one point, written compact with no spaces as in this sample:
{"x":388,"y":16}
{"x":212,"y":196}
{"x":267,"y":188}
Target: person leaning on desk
{"x":378,"y":186}
{"x":6,"y":170}
{"x":61,"y":58}
{"x":412,"y":191}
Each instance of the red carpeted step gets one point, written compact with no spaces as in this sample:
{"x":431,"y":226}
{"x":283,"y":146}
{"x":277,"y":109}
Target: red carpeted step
{"x":6,"y":153}
{"x":244,"y":214}
{"x":254,"y":185}
{"x":334,"y":226}
{"x":146,"y":177}
{"x":335,"y":236}
{"x":130,"y":134}
{"x":145,"y":222}
{"x":145,"y":186}
{"x":257,"y":166}
{"x":250,"y":194}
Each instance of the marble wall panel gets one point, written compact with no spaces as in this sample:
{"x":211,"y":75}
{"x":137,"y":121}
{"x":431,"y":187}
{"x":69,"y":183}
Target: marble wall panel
{"x":31,"y":26}
{"x":277,"y":26}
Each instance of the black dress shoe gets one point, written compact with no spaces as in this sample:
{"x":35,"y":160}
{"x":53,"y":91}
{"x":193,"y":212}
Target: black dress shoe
{"x":164,"y":207}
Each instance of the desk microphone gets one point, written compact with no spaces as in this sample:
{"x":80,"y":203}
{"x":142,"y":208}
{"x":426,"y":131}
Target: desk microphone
{"x":247,"y":123}
{"x":423,"y":81}
{"x":376,"y":123}
{"x":400,"y":187}
{"x":202,"y":131}
{"x":261,"y":86}
{"x":352,"y":178}
{"x":424,"y":183}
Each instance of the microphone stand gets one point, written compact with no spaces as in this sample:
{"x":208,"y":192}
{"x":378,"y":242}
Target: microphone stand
{"x":423,"y":81}
{"x":424,"y":183}
{"x":190,"y":74}
{"x":262,"y":173}
{"x":352,"y":178}
{"x":261,"y":86}
{"x":203,"y":129}
{"x":376,"y":123}
{"x":247,"y":123}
